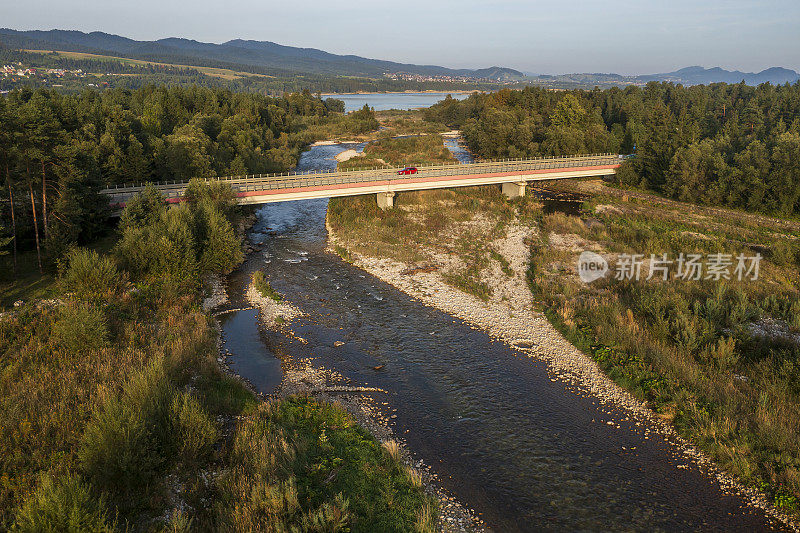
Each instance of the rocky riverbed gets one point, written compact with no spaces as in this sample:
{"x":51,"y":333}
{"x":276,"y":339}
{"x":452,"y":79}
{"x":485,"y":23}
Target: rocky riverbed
{"x":511,"y":315}
{"x":365,"y":404}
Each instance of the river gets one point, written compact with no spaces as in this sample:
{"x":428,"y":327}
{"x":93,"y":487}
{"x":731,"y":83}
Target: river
{"x":384,"y":101}
{"x":527,"y":453}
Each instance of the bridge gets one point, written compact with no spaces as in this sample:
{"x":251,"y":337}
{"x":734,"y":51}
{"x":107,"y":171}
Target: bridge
{"x":512,"y":174}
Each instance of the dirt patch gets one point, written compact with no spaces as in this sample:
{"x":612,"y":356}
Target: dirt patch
{"x":570,"y":242}
{"x":607,"y":209}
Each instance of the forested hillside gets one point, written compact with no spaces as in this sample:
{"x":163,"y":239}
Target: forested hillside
{"x":730,"y":145}
{"x":58,"y":151}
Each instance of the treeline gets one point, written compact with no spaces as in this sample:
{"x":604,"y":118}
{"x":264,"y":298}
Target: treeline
{"x":58,"y":151}
{"x":722,"y":144}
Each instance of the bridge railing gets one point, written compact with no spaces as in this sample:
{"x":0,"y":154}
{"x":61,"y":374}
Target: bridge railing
{"x":288,"y":180}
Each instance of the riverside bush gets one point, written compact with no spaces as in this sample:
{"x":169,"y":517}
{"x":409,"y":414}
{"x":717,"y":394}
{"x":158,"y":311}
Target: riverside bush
{"x":180,"y":245}
{"x":293,"y":462}
{"x":149,"y":429}
{"x":90,"y":276}
{"x":129,"y":439}
{"x":62,"y":504}
{"x":80,"y":327}
{"x":144,"y":209}
{"x":194,"y":431}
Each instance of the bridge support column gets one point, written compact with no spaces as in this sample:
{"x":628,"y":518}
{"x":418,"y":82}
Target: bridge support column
{"x":514,"y":190}
{"x":385,"y":200}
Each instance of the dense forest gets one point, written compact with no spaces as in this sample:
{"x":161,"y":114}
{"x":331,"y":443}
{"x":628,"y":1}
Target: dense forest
{"x":58,"y":151}
{"x":727,"y":145}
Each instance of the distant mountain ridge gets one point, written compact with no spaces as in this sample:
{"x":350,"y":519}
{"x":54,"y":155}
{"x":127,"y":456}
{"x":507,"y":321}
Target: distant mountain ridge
{"x":685,"y":76}
{"x":279,"y":59}
{"x":699,"y":75}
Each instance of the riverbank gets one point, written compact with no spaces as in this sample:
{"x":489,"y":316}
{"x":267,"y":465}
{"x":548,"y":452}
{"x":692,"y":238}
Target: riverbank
{"x":364,"y":404}
{"x":301,"y":378}
{"x":502,"y":305}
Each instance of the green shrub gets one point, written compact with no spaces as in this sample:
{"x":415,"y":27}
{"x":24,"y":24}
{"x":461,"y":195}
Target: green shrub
{"x":163,"y":251}
{"x":80,"y":328}
{"x":194,"y":431}
{"x":216,"y":193}
{"x":724,"y":354}
{"x":179,"y":244}
{"x":220,"y":249}
{"x":90,"y":276}
{"x":147,"y":430}
{"x":144,"y":209}
{"x":62,"y":504}
{"x":126,"y":443}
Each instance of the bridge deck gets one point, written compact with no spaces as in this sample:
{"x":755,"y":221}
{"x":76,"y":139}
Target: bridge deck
{"x":296,"y":185}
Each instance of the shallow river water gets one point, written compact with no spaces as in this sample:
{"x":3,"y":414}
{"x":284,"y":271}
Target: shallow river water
{"x":525,"y":452}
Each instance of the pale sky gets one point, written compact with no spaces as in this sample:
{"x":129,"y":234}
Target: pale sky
{"x":625,"y":37}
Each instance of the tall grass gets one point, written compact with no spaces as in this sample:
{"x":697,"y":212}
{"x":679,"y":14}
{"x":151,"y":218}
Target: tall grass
{"x":90,"y":276}
{"x":307,"y":465}
{"x":688,"y":347}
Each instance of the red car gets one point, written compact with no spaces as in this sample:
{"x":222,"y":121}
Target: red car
{"x":408,"y":170}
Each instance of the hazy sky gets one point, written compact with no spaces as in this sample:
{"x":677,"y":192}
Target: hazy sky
{"x":627,"y":37}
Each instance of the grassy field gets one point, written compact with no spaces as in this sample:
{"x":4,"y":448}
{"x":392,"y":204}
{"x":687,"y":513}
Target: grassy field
{"x":393,"y":152}
{"x":223,"y":73}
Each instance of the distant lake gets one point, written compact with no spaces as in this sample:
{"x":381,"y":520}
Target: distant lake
{"x":383,"y":101}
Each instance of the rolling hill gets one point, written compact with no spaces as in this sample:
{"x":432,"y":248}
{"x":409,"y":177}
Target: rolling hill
{"x":264,"y":56}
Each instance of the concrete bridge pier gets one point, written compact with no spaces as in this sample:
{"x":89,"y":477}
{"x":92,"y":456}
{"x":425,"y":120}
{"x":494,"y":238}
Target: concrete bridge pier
{"x":385,"y":200}
{"x":514,"y":190}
